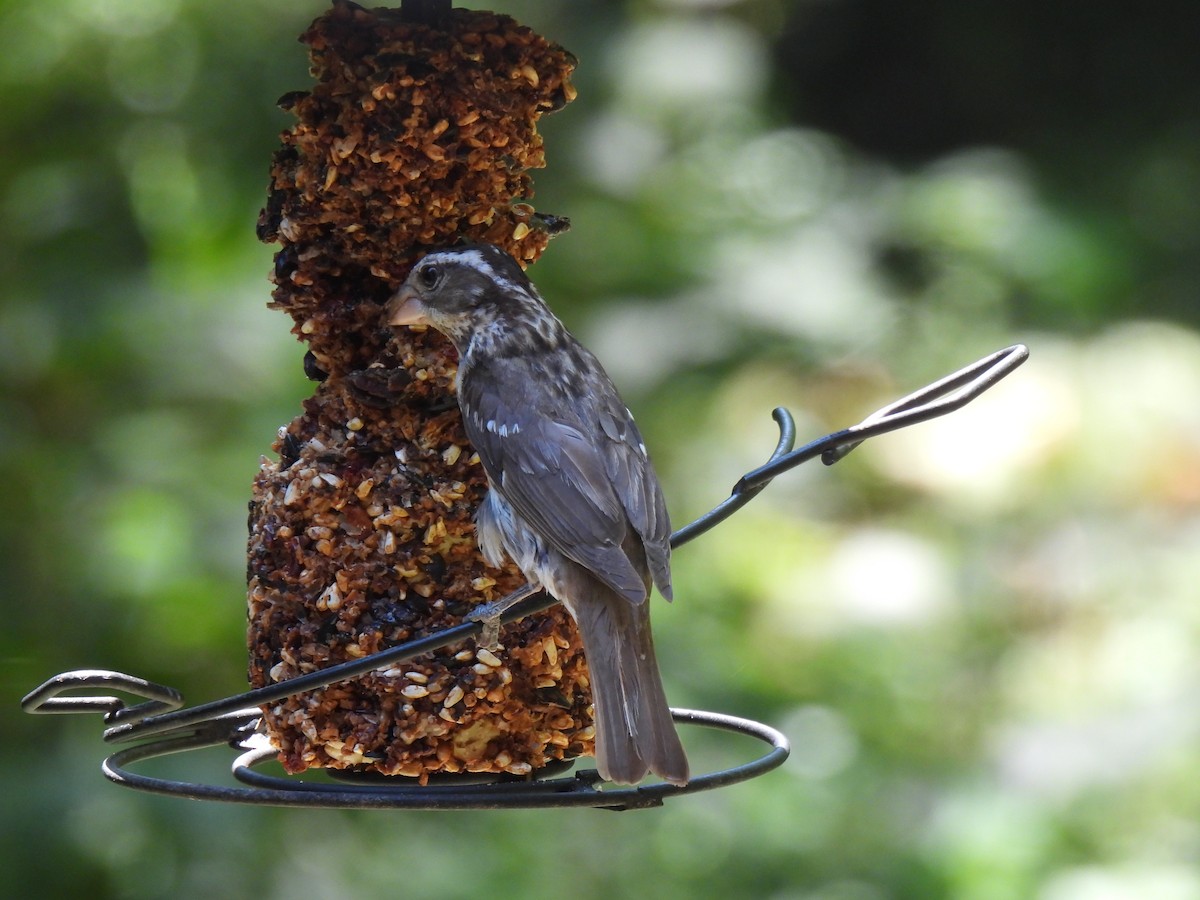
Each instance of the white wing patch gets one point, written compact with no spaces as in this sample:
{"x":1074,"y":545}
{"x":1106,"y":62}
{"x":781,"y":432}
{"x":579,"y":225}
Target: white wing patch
{"x":502,"y":430}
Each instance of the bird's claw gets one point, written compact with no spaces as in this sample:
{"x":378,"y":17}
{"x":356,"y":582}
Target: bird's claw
{"x":489,"y":615}
{"x":489,"y":637}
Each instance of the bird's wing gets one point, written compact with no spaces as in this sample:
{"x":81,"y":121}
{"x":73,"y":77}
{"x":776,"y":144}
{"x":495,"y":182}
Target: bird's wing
{"x":628,"y":464}
{"x":555,"y":473}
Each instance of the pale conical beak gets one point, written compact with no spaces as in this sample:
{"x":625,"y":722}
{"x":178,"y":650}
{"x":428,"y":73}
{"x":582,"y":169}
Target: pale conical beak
{"x":406,"y":308}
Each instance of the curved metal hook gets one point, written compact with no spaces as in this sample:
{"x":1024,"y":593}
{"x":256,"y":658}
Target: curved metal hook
{"x":937,"y":399}
{"x":47,"y":698}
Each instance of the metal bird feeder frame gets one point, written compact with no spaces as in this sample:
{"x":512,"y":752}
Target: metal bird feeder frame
{"x":162,"y":726}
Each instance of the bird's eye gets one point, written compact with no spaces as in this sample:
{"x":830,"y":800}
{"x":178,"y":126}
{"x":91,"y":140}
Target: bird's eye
{"x":429,"y":276}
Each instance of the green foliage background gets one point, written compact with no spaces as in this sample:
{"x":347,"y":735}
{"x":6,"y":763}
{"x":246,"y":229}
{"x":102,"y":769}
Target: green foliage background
{"x":981,"y":634}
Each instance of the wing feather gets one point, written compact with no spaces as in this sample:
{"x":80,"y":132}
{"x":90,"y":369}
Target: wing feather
{"x":559,"y":468}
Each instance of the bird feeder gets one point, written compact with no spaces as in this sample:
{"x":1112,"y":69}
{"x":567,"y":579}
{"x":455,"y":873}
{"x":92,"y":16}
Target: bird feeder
{"x":420,"y":131}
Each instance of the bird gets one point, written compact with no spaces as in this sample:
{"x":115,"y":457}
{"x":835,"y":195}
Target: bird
{"x":573,"y":498}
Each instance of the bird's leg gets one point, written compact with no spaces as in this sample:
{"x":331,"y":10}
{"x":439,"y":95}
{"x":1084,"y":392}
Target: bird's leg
{"x":489,"y":614}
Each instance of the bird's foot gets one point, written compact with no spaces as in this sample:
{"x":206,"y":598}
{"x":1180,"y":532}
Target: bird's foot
{"x":489,"y":638}
{"x":489,"y":615}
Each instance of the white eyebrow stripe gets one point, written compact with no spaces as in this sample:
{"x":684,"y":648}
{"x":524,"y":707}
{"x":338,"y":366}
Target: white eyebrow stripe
{"x":476,"y":260}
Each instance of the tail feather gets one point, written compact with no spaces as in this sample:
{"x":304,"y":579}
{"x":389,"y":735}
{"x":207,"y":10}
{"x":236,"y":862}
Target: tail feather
{"x":634,"y":730}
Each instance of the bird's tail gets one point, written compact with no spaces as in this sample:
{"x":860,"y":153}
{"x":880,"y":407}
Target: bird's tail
{"x":634,"y":730}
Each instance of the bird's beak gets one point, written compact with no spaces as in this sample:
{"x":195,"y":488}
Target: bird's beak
{"x":406,"y":308}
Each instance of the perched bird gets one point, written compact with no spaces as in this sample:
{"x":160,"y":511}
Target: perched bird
{"x":573,"y":498}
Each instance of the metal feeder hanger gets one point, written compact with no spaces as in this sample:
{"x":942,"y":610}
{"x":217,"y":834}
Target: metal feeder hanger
{"x":234,"y":721}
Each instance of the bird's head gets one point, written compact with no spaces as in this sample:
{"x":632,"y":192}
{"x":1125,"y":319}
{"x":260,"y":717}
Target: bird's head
{"x":463,"y":291}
